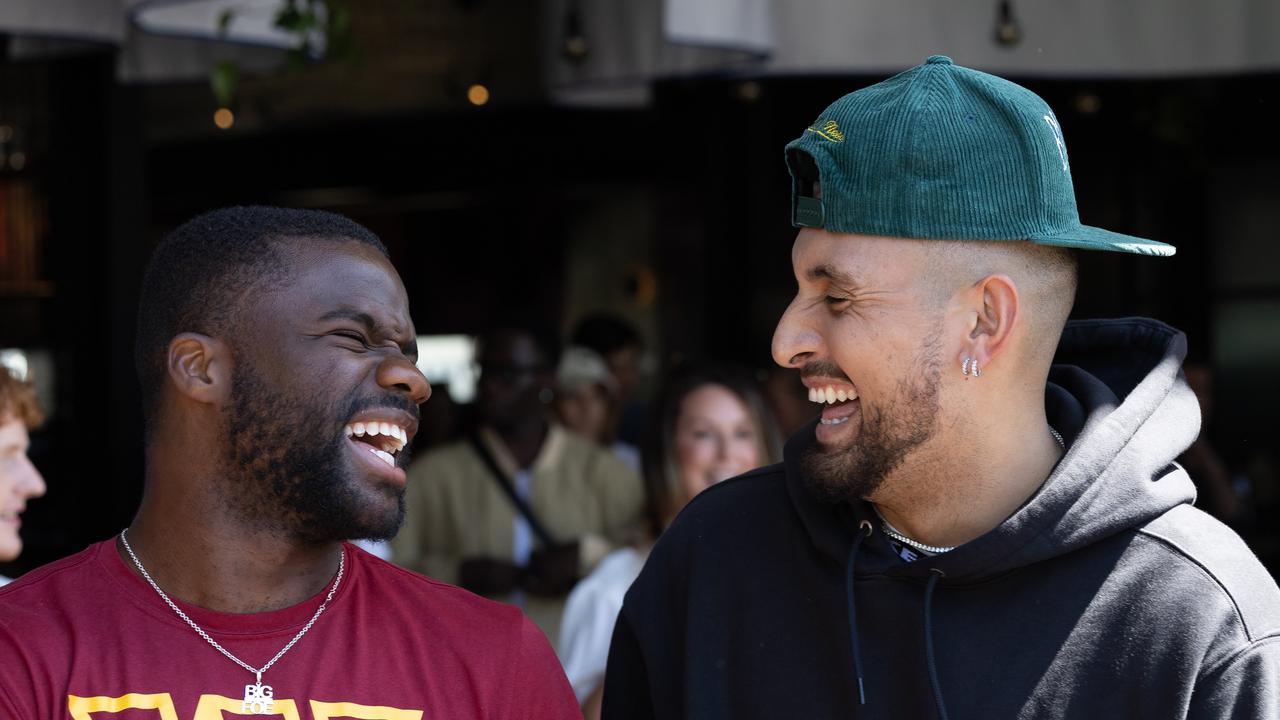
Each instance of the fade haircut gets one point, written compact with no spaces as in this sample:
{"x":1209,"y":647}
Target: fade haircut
{"x":201,"y":274}
{"x":1047,"y":278}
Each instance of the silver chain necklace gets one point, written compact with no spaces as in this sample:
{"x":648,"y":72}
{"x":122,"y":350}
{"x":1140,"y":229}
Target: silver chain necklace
{"x":258,"y":698}
{"x":896,"y":534}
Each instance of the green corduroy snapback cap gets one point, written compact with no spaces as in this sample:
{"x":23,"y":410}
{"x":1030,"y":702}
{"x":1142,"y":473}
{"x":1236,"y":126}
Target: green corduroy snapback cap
{"x":948,"y":153}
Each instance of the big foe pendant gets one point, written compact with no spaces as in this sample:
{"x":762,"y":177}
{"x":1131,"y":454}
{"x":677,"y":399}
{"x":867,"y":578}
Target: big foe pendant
{"x":258,"y":699}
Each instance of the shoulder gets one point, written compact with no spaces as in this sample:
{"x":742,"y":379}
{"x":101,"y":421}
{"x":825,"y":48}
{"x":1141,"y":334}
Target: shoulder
{"x":619,"y":563}
{"x":443,"y":464}
{"x":575,"y":459}
{"x":46,"y":580}
{"x":739,"y":500}
{"x":429,"y":600}
{"x":448,"y":454}
{"x":1215,"y":564}
{"x":477,"y":638}
{"x":575,"y":448}
{"x":740,"y":521}
{"x":610,"y":579}
{"x":38,"y":605}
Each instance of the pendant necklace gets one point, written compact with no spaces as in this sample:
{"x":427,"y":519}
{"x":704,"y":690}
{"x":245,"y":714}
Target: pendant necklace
{"x":258,"y":698}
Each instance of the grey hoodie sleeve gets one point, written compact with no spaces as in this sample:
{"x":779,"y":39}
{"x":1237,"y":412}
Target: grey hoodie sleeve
{"x":1247,"y":687}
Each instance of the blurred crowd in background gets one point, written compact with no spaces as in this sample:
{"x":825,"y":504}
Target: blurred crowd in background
{"x":588,"y":205}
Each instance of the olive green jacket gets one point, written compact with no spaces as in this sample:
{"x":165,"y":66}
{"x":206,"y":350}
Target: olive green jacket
{"x":456,"y":510}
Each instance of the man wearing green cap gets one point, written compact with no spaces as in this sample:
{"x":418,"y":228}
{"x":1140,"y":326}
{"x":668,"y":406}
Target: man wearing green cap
{"x":986,"y":521}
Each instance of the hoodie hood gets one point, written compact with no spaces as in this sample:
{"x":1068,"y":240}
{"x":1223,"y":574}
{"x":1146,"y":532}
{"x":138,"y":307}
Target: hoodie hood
{"x":1117,"y":395}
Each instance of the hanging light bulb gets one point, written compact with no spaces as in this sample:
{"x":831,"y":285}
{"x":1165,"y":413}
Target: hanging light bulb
{"x":224,"y":118}
{"x":575,"y":42}
{"x":478,"y":95}
{"x":1008,"y":33}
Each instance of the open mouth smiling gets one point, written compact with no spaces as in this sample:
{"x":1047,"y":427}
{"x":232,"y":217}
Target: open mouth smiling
{"x":832,"y":395}
{"x":382,"y":434}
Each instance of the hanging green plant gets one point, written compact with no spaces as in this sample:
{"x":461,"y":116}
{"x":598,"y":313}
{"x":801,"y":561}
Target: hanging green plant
{"x":322,"y":29}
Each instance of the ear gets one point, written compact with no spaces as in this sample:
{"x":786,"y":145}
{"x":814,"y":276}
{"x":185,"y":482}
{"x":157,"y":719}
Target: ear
{"x":200,"y":367}
{"x":992,"y":318}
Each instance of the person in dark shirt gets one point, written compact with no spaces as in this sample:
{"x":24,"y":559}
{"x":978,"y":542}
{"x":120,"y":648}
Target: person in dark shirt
{"x":985,"y":521}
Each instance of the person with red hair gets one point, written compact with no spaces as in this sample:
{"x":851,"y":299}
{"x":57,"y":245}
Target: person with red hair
{"x":19,"y":479}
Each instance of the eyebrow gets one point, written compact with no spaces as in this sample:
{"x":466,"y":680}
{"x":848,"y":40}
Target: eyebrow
{"x":344,"y":313}
{"x":363,"y":318}
{"x":833,"y":274}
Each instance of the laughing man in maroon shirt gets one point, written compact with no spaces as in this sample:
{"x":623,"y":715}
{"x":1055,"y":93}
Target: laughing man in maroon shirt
{"x":277,"y":360}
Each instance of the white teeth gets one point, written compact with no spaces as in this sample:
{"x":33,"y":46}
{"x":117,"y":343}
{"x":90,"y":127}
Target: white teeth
{"x":396,"y":437}
{"x":829,"y":395}
{"x":384,"y":456}
{"x":834,"y":421}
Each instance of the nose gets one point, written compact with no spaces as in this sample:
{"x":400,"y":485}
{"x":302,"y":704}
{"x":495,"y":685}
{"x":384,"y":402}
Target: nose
{"x":399,"y":373}
{"x":722,"y":448}
{"x":30,"y":482}
{"x":794,"y":341}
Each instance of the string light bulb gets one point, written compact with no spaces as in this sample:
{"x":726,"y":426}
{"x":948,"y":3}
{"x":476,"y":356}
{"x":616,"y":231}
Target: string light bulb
{"x":224,"y":118}
{"x":478,"y":95}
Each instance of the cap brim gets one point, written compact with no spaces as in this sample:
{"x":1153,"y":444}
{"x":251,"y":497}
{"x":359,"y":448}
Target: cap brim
{"x":1085,"y":237}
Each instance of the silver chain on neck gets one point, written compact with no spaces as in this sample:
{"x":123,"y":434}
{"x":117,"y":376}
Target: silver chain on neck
{"x":896,"y":534}
{"x":892,"y":532}
{"x":256,"y":671}
{"x":1058,"y":436}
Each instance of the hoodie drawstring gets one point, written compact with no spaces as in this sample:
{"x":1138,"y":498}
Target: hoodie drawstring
{"x":864,"y":532}
{"x":928,"y":642}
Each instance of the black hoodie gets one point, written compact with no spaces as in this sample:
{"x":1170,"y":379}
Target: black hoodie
{"x":1107,"y":595}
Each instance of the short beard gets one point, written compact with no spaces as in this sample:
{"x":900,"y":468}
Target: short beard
{"x":886,"y":437}
{"x":287,"y":470}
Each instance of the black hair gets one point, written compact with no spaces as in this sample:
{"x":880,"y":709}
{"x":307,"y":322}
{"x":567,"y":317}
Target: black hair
{"x":202,"y":272}
{"x":605,"y":333}
{"x":544,"y":337}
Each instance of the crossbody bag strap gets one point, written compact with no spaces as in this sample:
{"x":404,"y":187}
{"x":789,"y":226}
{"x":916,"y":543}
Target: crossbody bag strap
{"x":509,"y":489}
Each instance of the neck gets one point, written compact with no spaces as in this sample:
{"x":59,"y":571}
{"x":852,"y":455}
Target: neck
{"x":961,"y":490}
{"x":197,"y":554}
{"x":524,"y":440}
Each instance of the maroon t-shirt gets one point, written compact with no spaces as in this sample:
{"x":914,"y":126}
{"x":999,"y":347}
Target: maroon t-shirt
{"x":87,"y":639}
